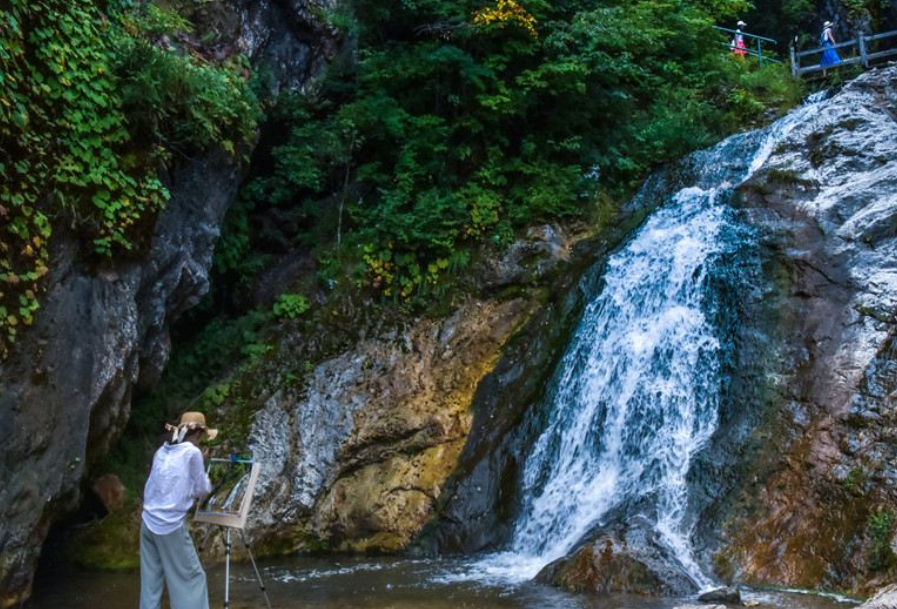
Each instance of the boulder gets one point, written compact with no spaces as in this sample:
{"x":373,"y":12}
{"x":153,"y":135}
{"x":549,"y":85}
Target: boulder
{"x":110,"y":491}
{"x":623,"y":559}
{"x":729,"y":596}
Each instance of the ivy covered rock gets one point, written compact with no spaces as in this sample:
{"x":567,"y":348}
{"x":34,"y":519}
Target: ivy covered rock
{"x":109,"y":212}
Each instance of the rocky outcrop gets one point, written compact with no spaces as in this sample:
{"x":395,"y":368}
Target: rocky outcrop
{"x":103,"y":329}
{"x":361,"y":455}
{"x":357,"y":452}
{"x":818,"y":470}
{"x":886,"y":598}
{"x":65,"y":392}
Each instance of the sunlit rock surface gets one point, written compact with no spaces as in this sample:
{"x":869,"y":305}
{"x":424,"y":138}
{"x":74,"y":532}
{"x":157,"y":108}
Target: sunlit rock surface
{"x":357,"y":457}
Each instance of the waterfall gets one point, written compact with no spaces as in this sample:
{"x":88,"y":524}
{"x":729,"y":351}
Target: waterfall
{"x":636,"y":395}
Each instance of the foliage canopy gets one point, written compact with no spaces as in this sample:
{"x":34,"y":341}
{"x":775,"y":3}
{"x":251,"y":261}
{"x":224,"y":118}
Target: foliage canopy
{"x":459,"y":120}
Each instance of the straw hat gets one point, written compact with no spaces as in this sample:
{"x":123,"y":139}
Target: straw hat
{"x":742,"y":24}
{"x":828,"y":24}
{"x":189,"y":422}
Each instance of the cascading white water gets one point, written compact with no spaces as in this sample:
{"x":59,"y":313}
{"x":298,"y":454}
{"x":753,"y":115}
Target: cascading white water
{"x":636,"y":395}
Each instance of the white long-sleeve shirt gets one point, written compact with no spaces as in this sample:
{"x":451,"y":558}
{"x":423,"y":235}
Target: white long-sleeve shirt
{"x":177,"y":479}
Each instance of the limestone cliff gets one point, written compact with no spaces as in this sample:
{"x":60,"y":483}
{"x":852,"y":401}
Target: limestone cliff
{"x":821,"y":461}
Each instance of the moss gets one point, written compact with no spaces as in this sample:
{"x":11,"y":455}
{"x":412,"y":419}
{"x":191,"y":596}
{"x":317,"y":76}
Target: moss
{"x":724,"y":566}
{"x":786,"y":177}
{"x":110,"y":544}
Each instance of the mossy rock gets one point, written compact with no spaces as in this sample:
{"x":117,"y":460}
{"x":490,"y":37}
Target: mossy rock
{"x":110,"y":544}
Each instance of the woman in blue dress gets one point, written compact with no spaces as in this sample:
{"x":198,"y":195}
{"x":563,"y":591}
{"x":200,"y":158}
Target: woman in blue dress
{"x":829,"y":54}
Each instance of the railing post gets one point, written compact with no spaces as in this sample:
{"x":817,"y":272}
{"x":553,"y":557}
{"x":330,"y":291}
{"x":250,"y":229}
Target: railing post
{"x":760,"y":51}
{"x":795,"y":67}
{"x":864,"y":55}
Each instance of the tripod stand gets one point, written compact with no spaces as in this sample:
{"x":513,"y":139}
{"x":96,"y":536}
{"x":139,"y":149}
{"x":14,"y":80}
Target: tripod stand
{"x":228,"y":507}
{"x":258,"y":574}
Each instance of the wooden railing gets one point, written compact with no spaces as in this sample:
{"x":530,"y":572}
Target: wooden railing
{"x":753,"y":44}
{"x":861,"y":55}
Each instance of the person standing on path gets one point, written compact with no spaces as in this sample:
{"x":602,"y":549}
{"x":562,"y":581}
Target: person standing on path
{"x":830,"y":55}
{"x":738,"y":46}
{"x":167,"y":555}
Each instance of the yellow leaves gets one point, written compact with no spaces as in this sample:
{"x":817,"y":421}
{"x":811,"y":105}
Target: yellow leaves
{"x":506,"y":12}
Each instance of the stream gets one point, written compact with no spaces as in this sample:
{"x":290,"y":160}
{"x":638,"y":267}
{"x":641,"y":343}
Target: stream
{"x":363,"y":583}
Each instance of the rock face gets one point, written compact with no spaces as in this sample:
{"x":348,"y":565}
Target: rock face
{"x":362,"y":455}
{"x":65,"y":392}
{"x":886,"y":598}
{"x":819,"y":467}
{"x":358,"y":456}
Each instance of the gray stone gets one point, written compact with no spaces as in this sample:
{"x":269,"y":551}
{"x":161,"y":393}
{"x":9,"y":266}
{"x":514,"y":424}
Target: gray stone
{"x":886,"y":598}
{"x":729,"y":596}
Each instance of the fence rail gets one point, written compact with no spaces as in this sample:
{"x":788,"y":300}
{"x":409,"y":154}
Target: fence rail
{"x":861,"y":56}
{"x":756,"y":47}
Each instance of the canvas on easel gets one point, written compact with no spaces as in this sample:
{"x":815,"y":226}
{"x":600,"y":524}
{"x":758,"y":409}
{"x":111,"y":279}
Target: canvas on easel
{"x":233,"y":487}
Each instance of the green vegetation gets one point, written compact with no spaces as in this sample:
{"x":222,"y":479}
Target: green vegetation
{"x":290,"y":306}
{"x":90,"y":105}
{"x":461,"y":121}
{"x":880,"y":530}
{"x":110,"y":544}
{"x":785,"y":20}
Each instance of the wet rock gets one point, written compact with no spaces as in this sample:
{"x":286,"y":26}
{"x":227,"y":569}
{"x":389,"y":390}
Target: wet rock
{"x":729,"y":596}
{"x":628,"y":559}
{"x":700,"y":607}
{"x":818,"y":350}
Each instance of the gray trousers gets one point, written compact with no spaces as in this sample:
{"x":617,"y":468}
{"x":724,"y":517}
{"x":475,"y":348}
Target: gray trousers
{"x":171,"y":559}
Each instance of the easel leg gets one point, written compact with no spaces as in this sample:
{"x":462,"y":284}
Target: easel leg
{"x":227,"y":568}
{"x":258,"y":574}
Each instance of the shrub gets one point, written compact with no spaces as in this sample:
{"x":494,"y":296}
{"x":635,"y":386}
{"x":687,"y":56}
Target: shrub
{"x":880,"y":529}
{"x":290,"y":306}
